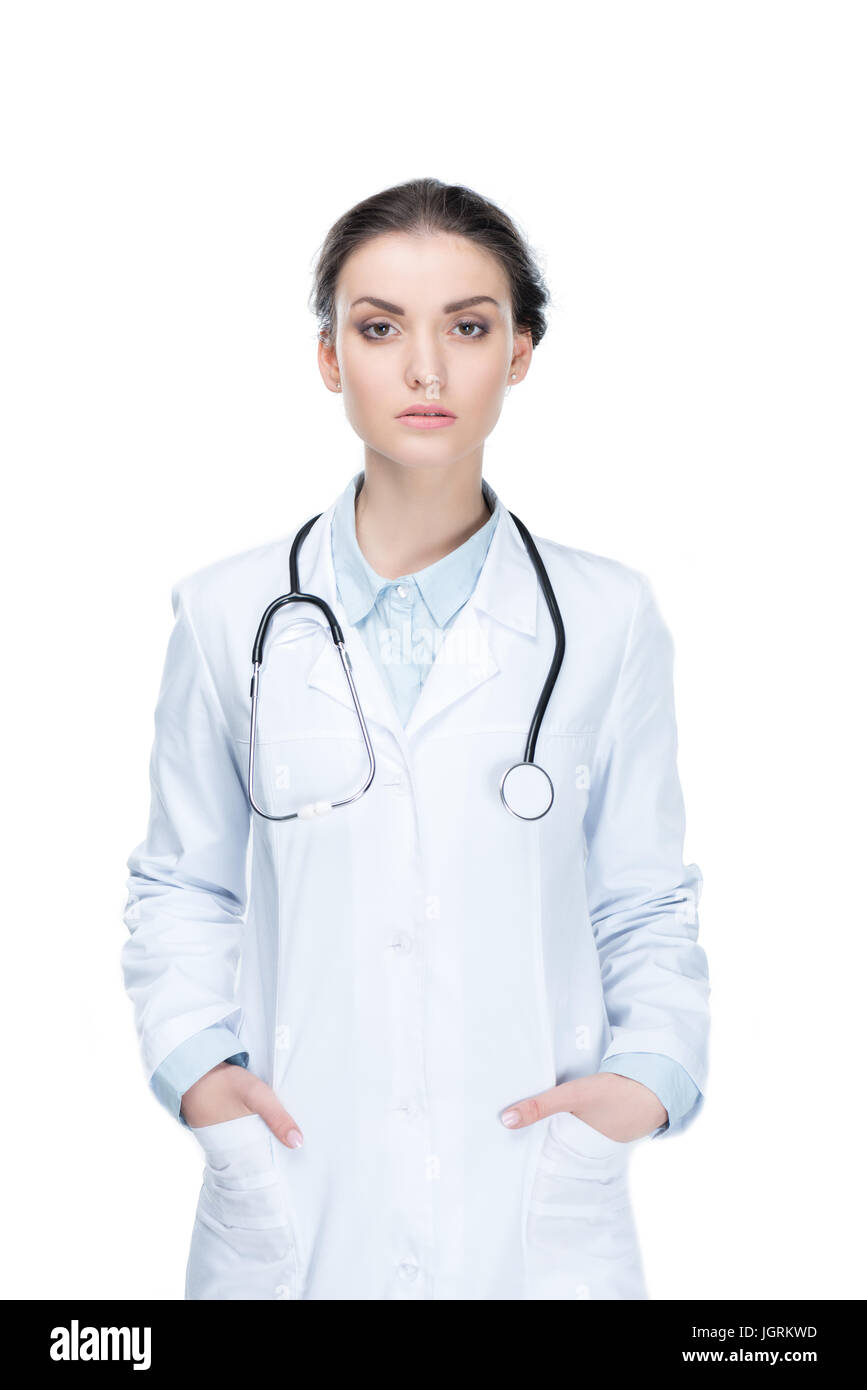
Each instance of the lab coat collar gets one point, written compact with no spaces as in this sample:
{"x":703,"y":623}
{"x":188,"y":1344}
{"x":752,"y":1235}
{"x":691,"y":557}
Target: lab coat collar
{"x":507,"y":591}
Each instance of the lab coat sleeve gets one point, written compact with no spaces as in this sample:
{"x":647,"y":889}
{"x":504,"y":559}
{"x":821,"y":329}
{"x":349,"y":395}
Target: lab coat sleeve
{"x":642,"y":898}
{"x":190,"y":1061}
{"x":188,"y":878}
{"x":672,"y":1086}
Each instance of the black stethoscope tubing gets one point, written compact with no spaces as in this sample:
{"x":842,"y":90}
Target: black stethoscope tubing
{"x":294,"y":596}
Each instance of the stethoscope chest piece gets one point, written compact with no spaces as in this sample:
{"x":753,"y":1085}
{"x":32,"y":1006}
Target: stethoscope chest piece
{"x":527,"y":791}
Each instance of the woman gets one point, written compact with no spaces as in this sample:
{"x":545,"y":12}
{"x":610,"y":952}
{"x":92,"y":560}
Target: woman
{"x":451,"y":1024}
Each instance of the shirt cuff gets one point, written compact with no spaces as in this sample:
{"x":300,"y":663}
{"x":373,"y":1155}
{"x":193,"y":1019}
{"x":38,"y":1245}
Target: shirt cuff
{"x":668,"y":1080}
{"x":190,"y":1060}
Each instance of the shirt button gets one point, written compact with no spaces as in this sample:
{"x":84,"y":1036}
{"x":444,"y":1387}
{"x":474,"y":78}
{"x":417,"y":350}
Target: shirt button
{"x":408,"y":1270}
{"x":402,"y":943}
{"x":402,"y":591}
{"x":408,"y":1110}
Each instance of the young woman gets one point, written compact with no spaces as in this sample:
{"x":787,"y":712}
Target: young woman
{"x":419,"y":1035}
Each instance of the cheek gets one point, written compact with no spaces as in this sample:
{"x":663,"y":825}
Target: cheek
{"x":368,"y":379}
{"x":477,"y":389}
{"x":487,"y":366}
{"x":363,"y":364}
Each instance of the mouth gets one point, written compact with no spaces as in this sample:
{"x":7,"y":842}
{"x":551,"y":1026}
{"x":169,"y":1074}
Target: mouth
{"x":428,"y":420}
{"x":426,"y":412}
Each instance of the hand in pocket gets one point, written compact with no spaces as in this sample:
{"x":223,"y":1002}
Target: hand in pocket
{"x":618,"y":1107}
{"x":228,"y":1092}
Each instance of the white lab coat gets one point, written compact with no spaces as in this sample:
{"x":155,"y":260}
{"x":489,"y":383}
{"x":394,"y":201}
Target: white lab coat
{"x":414,"y":962}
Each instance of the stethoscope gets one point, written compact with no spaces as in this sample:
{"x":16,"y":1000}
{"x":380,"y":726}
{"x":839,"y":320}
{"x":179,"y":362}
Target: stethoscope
{"x":526,"y":790}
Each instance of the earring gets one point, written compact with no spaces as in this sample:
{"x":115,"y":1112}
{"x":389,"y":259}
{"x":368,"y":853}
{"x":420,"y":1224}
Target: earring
{"x":339,"y":387}
{"x":514,"y":375}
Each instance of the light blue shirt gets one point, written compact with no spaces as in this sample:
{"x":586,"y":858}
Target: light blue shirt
{"x":402,"y":621}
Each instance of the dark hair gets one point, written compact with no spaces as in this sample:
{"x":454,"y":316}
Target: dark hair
{"x":423,"y":206}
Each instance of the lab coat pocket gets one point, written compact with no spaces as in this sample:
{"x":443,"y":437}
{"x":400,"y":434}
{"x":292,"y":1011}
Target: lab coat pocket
{"x":243,"y":1241}
{"x":576,"y":1134}
{"x":580,"y":1235}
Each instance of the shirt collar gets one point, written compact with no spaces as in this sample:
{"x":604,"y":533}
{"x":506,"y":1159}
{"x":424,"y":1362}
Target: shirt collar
{"x":445,"y":585}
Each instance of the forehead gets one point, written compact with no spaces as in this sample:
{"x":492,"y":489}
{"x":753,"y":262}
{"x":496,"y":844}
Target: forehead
{"x":420,"y":271}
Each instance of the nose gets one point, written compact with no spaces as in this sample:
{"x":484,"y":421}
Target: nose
{"x":424,"y":366}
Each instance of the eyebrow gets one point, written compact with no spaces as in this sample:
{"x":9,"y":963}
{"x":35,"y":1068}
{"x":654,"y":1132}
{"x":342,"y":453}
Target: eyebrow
{"x":447,"y":308}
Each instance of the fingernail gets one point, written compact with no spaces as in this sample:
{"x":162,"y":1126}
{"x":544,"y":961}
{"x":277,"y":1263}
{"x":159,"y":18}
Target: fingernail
{"x":294,"y":1139}
{"x":511,"y":1118}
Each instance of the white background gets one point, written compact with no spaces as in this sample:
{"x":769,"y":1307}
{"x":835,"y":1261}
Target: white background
{"x":692,"y":177}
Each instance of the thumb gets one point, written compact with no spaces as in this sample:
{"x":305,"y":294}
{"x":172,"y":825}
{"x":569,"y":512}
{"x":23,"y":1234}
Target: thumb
{"x":261,"y":1099}
{"x":566,"y":1096}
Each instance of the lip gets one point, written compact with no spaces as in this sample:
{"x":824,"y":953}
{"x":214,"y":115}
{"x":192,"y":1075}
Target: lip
{"x":413,"y":417}
{"x":426,"y":422}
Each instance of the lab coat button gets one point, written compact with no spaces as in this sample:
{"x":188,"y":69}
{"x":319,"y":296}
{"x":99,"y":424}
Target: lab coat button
{"x":401,"y":944}
{"x":408,"y":1270}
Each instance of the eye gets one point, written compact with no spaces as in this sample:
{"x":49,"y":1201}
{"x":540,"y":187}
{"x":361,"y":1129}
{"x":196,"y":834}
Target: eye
{"x":471,"y":323}
{"x":365,"y":333}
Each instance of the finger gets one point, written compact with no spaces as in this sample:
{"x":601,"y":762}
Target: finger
{"x":261,"y":1099}
{"x":528,"y":1112}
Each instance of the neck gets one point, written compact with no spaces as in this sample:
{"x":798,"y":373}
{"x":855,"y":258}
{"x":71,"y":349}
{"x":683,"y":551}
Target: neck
{"x":408,"y":518}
